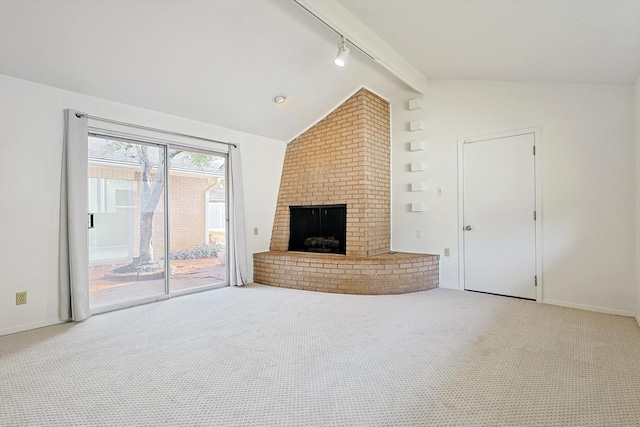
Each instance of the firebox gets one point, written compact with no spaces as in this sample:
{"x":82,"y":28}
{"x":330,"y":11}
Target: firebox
{"x":318,"y":228}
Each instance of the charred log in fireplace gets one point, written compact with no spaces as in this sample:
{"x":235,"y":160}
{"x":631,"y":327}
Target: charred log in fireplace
{"x":321,"y":244}
{"x":318,"y":228}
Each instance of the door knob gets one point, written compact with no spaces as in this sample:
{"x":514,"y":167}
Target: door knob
{"x":468,"y":228}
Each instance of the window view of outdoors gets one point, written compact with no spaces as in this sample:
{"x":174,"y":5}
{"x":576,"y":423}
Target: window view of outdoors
{"x":127,"y":244}
{"x":197,"y":212}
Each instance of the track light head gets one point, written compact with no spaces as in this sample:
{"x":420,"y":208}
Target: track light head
{"x":343,"y":53}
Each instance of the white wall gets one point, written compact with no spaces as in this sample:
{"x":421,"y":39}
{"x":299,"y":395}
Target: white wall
{"x":638,"y":201}
{"x":588,"y":183}
{"x":588,"y":202}
{"x":31,"y":132}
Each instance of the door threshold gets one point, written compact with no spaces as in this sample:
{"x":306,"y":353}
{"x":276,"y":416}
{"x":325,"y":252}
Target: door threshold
{"x":501,"y":295}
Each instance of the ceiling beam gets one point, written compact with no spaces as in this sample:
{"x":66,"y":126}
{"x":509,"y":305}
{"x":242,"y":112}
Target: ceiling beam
{"x":339,"y":19}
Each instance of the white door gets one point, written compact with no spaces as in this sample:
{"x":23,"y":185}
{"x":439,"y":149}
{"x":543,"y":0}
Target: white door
{"x":498,"y":216}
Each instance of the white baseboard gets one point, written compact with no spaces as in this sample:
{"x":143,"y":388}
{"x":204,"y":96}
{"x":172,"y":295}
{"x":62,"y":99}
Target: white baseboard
{"x":449,"y":286}
{"x":638,"y":320}
{"x":589,"y":308}
{"x":29,"y":326}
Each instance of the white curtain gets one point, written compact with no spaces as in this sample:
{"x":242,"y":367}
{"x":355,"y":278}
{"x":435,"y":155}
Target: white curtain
{"x":237,"y":248}
{"x":74,"y":270}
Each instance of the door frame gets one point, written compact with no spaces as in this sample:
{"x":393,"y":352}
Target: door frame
{"x":151,"y":137}
{"x":537,"y":138}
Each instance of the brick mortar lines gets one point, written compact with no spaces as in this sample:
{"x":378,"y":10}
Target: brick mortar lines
{"x":343,"y":159}
{"x":350,"y":275}
{"x":328,"y":165}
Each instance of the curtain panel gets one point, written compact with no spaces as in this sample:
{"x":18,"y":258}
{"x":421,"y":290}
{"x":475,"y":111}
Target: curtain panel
{"x":237,"y":249}
{"x":74,"y":270}
{"x":73,"y":262}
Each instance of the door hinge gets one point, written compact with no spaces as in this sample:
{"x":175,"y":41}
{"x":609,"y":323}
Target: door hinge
{"x":535,"y":216}
{"x":534,"y":150}
{"x":536,"y":281}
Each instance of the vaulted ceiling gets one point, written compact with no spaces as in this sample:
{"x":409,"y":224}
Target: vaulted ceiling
{"x":222,"y":61}
{"x":567,"y":41}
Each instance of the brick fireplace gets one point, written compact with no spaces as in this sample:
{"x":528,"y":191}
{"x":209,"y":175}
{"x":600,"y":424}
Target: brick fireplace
{"x":343,"y":160}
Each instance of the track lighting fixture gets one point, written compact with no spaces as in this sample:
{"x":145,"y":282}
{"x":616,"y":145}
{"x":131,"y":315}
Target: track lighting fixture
{"x":343,"y":53}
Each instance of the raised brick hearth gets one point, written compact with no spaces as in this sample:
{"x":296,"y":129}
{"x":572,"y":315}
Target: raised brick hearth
{"x":394,"y":273}
{"x":344,"y":160}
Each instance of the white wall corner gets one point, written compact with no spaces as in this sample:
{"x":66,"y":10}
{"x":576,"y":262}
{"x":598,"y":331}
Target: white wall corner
{"x":586,"y":307}
{"x":450,"y":286}
{"x":30,"y":326}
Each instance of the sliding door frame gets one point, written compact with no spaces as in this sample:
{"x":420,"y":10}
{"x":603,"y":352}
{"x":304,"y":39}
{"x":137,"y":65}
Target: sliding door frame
{"x":165,"y":145}
{"x":226,"y":215}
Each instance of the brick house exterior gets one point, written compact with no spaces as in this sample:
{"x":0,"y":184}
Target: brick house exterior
{"x":189,"y":204}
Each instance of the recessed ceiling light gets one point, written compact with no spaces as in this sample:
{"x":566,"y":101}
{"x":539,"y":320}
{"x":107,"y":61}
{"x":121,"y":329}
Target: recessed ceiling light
{"x":279,"y":99}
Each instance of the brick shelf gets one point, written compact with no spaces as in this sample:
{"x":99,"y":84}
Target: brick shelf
{"x":388,"y":273}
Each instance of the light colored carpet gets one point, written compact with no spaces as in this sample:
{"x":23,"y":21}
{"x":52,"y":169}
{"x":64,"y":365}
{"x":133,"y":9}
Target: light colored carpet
{"x":264,"y":356}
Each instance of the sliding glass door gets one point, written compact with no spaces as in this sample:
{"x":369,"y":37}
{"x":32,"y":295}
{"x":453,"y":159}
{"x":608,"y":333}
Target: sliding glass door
{"x":126,"y":222}
{"x":198,"y":212}
{"x":135,"y":206}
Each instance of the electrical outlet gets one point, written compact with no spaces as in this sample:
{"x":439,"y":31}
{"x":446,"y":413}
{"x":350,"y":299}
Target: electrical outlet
{"x":21,"y":298}
{"x":255,"y":231}
{"x":447,"y":252}
{"x":419,"y":234}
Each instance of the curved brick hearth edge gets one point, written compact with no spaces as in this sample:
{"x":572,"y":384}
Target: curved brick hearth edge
{"x":387,"y":273}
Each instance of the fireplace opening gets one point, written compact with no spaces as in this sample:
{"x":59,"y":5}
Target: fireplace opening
{"x":319,"y":228}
